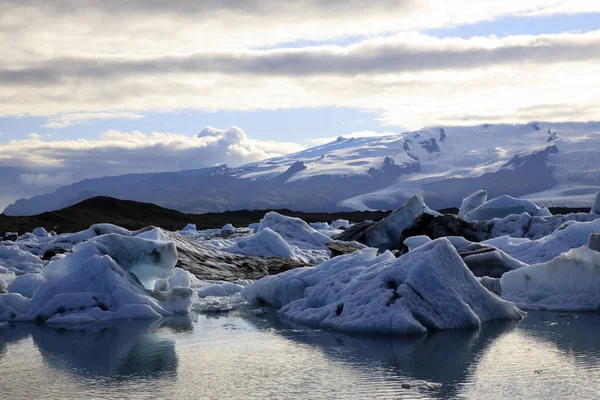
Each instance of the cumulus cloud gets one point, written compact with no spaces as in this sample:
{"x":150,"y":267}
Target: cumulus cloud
{"x":46,"y":164}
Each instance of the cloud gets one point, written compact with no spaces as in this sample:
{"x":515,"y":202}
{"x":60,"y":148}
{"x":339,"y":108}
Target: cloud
{"x":411,"y":80}
{"x":400,"y":54}
{"x":46,"y":180}
{"x":35,"y":166}
{"x":68,"y":119}
{"x":49,"y":164}
{"x":145,"y":27}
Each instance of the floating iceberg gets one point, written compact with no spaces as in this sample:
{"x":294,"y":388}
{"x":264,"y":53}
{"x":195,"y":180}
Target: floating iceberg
{"x":286,"y":237}
{"x":319,"y":225}
{"x":570,"y":282}
{"x":100,"y":280}
{"x":570,"y":235}
{"x":265,"y":243}
{"x":503,"y":206}
{"x":340,"y":224}
{"x":227,"y":228}
{"x":428,"y":288}
{"x":386,"y":234}
{"x":471,"y":202}
{"x":190,"y":227}
{"x":596,"y":206}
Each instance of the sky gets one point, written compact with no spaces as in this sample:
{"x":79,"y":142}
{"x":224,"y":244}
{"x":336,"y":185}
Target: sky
{"x":94,"y":88}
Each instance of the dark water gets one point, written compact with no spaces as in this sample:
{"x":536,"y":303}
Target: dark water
{"x":245,"y":355}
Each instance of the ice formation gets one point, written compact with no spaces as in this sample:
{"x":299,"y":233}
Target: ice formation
{"x":472,"y":201}
{"x":570,"y":235}
{"x":190,"y":227}
{"x":428,"y":288}
{"x":416,"y":241}
{"x":340,"y":224}
{"x":227,"y":228}
{"x":596,"y":206}
{"x":319,"y":225}
{"x":100,"y":280}
{"x":503,"y":206}
{"x":265,"y":243}
{"x":570,"y":282}
{"x":286,"y":237}
{"x":594,"y":241}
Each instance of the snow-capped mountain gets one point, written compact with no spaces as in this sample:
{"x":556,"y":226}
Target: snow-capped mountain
{"x":554,"y":164}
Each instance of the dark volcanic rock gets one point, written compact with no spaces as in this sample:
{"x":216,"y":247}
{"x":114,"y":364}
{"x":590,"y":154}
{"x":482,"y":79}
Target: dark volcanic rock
{"x":339,"y":249}
{"x":206,"y":262}
{"x":444,"y":225}
{"x":354,"y":233}
{"x":48,"y":254}
{"x":12,"y":237}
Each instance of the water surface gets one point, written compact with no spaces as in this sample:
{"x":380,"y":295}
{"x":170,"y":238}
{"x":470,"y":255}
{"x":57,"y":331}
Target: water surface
{"x":256,"y":355}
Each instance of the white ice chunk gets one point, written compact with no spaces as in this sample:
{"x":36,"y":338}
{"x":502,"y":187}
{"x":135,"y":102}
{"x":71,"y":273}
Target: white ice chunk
{"x":416,"y":241}
{"x":190,"y":227}
{"x":428,"y":288}
{"x":570,"y":282}
{"x":388,"y":231}
{"x":227,"y":228}
{"x":340,"y":224}
{"x":26,"y":284}
{"x":319,"y":225}
{"x":503,"y":206}
{"x":98,"y":281}
{"x":570,"y":235}
{"x":19,"y":261}
{"x":264,"y":243}
{"x":472,"y":201}
{"x":40,"y":232}
{"x":594,"y":241}
{"x":596,"y":207}
{"x":148,"y":259}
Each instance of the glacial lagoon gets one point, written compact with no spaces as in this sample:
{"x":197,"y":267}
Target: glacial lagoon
{"x":254,"y":354}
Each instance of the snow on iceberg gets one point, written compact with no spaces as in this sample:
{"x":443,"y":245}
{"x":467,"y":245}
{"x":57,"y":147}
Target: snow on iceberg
{"x":340,"y":224}
{"x":227,"y":228}
{"x":190,"y":227}
{"x":596,"y":206}
{"x":428,"y":288}
{"x":100,"y":280}
{"x":570,"y":282}
{"x":264,"y":243}
{"x":306,"y":244}
{"x":570,"y":235}
{"x":19,"y":261}
{"x":503,"y":206}
{"x":472,"y":201}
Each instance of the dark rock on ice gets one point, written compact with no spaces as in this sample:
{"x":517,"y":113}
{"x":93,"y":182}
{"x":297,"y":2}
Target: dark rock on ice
{"x":339,"y":249}
{"x":208,"y":263}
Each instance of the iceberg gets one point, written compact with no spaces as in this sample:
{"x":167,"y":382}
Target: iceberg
{"x":570,"y":282}
{"x":190,"y":227}
{"x":307,"y":245}
{"x":596,"y":206}
{"x":472,"y":201}
{"x":428,"y":288}
{"x":227,"y":228}
{"x":594,"y":241}
{"x":570,"y":235}
{"x":387,"y":233}
{"x":264,"y":243}
{"x":102,"y":279}
{"x":503,"y":206}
